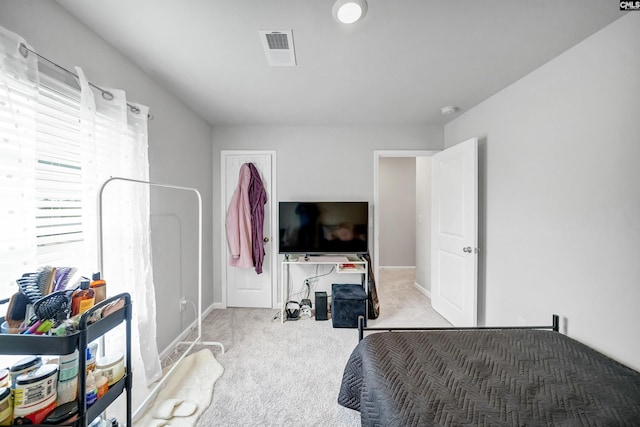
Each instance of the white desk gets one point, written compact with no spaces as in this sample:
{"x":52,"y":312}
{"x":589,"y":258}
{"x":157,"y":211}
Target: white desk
{"x":344,"y":264}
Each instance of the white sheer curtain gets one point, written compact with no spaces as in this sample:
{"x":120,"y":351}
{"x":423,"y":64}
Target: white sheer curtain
{"x":117,"y":146}
{"x":18,"y":112}
{"x":112,"y":141}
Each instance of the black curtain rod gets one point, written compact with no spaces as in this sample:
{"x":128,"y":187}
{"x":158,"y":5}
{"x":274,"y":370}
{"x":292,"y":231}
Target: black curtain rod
{"x":24,"y":51}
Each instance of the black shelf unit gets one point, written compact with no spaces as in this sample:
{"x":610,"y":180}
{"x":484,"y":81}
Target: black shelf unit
{"x":49,"y":345}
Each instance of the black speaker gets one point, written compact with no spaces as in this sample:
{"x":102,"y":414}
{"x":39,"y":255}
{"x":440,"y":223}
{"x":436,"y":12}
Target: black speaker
{"x":321,"y":306}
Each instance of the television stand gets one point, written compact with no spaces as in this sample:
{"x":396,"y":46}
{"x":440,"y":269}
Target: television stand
{"x":344,"y":264}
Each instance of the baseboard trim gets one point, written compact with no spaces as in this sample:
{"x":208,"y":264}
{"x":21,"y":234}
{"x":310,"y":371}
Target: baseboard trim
{"x":422,"y":290}
{"x":217,"y":305}
{"x":185,"y":333}
{"x":207,"y":311}
{"x":174,"y":344}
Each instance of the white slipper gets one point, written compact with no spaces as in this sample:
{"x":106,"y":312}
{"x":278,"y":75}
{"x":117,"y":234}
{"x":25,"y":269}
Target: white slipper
{"x":186,"y":409}
{"x":165,"y":410}
{"x":174,"y":408}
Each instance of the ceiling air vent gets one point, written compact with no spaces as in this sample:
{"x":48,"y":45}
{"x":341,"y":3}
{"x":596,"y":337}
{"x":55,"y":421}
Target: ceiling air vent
{"x":278,"y":46}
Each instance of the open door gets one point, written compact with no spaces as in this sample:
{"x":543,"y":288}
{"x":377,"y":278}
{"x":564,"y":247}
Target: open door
{"x":454,"y":252}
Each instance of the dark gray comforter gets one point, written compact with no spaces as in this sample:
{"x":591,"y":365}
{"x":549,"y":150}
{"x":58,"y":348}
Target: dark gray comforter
{"x":487,"y":378}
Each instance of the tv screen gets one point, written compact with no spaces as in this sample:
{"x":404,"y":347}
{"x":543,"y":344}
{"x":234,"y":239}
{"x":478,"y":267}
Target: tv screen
{"x":323,"y":227}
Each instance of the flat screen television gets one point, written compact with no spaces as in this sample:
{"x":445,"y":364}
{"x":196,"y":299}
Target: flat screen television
{"x":323,"y":227}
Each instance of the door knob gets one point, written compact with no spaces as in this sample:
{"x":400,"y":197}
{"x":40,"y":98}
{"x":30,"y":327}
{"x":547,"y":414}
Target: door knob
{"x":467,"y":250}
{"x":266,"y":240}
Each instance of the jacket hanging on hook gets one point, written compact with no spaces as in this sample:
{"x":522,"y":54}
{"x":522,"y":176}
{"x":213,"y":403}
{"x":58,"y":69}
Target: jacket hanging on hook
{"x":257,"y":200}
{"x":245,"y":220}
{"x":238,"y":224}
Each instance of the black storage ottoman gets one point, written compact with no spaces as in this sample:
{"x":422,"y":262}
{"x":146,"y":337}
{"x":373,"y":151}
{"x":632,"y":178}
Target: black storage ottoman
{"x":348,"y":301}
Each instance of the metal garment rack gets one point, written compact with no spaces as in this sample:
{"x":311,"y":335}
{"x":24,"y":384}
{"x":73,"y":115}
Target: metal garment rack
{"x":198,"y":339}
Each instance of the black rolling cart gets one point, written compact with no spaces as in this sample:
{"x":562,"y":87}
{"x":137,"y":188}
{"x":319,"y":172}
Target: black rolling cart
{"x":87,"y":332}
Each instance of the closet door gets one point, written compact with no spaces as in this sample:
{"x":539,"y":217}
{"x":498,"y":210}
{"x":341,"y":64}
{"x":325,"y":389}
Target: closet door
{"x":243,"y":286}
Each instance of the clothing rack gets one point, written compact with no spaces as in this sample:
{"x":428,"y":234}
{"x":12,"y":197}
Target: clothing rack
{"x":198,"y":339}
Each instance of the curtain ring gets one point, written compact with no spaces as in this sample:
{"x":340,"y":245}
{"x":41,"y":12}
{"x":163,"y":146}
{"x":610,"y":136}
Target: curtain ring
{"x":134,"y":109}
{"x":24,"y":51}
{"x":107,"y":95}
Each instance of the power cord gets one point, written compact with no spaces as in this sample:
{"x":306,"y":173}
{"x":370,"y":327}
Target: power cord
{"x":305,"y":302}
{"x":308,"y":284}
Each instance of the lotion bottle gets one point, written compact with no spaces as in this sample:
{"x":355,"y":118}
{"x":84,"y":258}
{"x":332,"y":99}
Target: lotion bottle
{"x":99,"y":285}
{"x":82,"y":299}
{"x":91,"y":390}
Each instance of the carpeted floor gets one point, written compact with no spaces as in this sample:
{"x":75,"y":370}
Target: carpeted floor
{"x":289,"y":374}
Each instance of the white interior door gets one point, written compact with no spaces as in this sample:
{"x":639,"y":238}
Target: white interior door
{"x":454,"y":292}
{"x":244,"y":287}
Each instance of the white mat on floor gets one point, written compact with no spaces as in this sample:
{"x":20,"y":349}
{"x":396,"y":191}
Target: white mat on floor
{"x":191,"y":381}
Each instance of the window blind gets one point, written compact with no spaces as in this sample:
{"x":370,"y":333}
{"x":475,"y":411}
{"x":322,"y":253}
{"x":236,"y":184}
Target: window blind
{"x":58,"y":177}
{"x":41,"y":184}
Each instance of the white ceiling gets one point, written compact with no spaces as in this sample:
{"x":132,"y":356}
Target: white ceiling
{"x":399,"y":65}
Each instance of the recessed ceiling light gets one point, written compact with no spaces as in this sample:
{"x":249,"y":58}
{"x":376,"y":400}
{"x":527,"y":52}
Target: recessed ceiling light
{"x":349,"y":11}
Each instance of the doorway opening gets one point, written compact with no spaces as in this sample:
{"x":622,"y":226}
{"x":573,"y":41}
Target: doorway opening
{"x":402,"y":216}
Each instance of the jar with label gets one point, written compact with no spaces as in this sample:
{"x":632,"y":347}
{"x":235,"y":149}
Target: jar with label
{"x":35,"y":395}
{"x":112,"y":367}
{"x":4,"y":378}
{"x":23,"y":366}
{"x":68,"y":378}
{"x":6,"y":407}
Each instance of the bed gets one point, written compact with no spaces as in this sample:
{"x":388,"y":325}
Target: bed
{"x":486,"y":377}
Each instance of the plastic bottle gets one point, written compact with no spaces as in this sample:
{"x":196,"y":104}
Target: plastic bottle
{"x":99,"y":286}
{"x":91,"y":390}
{"x":83,"y":299}
{"x":101,"y":384}
{"x":91,"y":359}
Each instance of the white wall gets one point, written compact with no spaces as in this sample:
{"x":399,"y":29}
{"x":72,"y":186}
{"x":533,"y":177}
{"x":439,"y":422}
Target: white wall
{"x":179,"y":149}
{"x":560,"y":182}
{"x":423,"y":223}
{"x":397,"y":211}
{"x":321,"y":162}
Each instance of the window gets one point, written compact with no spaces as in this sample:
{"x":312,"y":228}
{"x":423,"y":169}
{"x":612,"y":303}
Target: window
{"x":57,"y":176}
{"x":61,"y":137}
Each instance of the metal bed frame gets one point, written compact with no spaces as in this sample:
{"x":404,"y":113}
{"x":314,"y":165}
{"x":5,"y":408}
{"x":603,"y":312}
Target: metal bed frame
{"x":555,"y":326}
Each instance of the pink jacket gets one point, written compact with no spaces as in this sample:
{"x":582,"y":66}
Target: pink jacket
{"x":238,"y":222}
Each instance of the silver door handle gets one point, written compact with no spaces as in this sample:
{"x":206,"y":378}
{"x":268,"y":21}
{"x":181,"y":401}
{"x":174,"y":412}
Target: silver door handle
{"x":266,"y":240}
{"x":467,"y":250}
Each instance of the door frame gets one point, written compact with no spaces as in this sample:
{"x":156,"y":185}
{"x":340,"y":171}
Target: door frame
{"x":377,"y":155}
{"x":223,"y":214}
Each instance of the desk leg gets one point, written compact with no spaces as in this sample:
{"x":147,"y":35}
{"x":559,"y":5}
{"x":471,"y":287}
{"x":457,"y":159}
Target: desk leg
{"x":283,"y":296}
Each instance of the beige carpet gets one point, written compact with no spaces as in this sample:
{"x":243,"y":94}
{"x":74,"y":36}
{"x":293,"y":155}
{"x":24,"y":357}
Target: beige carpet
{"x":289,"y":374}
{"x":191,"y":383}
